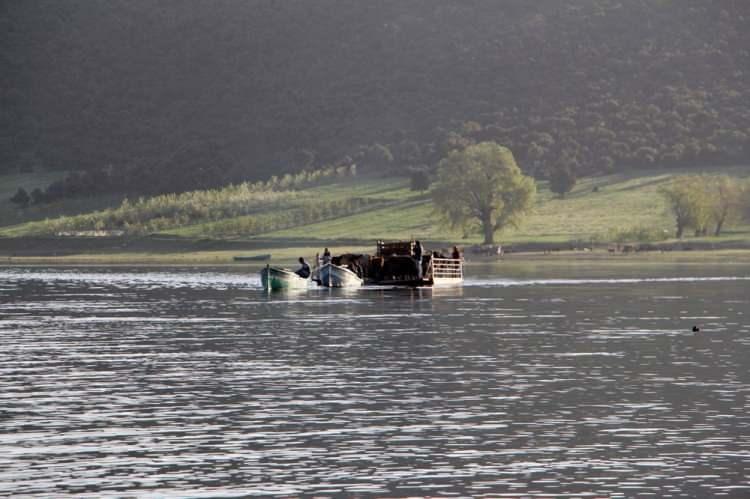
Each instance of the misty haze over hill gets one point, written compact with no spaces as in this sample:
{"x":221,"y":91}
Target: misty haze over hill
{"x":225,"y":90}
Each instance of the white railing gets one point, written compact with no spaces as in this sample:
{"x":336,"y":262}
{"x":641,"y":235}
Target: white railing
{"x":447,"y":268}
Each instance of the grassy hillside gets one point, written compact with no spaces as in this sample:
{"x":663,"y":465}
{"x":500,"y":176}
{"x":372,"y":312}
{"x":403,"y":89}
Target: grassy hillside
{"x":391,"y":192}
{"x":365,"y":209}
{"x":595,"y":209}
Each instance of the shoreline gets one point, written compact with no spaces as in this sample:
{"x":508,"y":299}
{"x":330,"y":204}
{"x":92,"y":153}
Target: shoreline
{"x":288,"y":256}
{"x":157,"y":250}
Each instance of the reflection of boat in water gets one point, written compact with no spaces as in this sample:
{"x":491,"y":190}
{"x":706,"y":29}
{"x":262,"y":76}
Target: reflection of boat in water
{"x":287,"y":294}
{"x":252,"y":258}
{"x":439,"y":291}
{"x":337,"y":276}
{"x":277,"y":278}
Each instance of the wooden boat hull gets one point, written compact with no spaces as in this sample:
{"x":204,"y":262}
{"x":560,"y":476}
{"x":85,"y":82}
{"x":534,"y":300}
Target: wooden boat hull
{"x":335,"y":276}
{"x":273,"y":278}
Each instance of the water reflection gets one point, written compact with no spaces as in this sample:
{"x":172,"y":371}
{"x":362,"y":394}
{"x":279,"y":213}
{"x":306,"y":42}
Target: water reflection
{"x":174,"y":383}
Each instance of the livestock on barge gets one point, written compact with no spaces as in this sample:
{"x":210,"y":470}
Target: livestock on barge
{"x":406,"y":263}
{"x":400,"y":263}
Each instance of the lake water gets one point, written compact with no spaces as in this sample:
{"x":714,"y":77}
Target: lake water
{"x":571,"y":382}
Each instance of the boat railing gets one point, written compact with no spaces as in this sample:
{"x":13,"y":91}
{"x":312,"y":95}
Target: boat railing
{"x":385,"y":249}
{"x":447,"y":268}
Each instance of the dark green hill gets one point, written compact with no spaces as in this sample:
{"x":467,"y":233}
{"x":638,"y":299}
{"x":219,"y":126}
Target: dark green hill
{"x":221,"y":90}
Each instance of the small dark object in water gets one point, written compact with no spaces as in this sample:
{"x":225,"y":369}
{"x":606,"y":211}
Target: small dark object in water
{"x":253,"y":258}
{"x":696,"y":329}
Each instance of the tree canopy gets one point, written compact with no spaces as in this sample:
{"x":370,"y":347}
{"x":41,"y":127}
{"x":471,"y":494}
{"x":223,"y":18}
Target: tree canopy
{"x":562,"y":180}
{"x":482,"y":187}
{"x":700,"y":202}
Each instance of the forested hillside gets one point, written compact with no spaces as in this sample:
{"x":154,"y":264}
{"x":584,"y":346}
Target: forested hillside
{"x":174,"y":95}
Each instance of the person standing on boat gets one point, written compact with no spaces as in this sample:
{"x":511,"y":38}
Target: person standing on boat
{"x":456,"y":254}
{"x":304,"y":270}
{"x":418,"y":257}
{"x":326,"y":256}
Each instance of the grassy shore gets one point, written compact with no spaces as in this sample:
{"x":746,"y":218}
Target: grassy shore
{"x":596,"y":209}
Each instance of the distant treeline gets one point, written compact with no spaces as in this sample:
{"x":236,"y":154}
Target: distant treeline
{"x":207,"y":93}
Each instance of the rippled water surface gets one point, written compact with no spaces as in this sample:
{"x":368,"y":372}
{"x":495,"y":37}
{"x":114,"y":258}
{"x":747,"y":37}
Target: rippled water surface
{"x":149,"y":382}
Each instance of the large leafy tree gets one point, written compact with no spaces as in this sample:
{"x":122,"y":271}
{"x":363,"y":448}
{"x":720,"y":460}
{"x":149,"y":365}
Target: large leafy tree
{"x":21,"y":198}
{"x":482,"y":187}
{"x":697,"y":201}
{"x":562,"y":180}
{"x":725,"y":200}
{"x":687,"y":199}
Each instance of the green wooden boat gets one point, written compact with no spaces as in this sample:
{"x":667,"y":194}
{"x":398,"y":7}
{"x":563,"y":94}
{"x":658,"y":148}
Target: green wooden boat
{"x":273,"y":278}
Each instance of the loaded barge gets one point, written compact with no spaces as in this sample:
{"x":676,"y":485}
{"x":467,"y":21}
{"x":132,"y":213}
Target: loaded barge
{"x":403,"y":263}
{"x":399,"y":263}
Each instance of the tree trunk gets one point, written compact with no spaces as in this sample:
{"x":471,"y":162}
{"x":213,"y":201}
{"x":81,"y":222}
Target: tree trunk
{"x":680,"y":229}
{"x":719,"y":225}
{"x":488,"y":229}
{"x":489,"y":234}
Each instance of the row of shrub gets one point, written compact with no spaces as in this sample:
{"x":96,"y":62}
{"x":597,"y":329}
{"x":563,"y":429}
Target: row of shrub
{"x":232,"y":212}
{"x":108,"y":180}
{"x":309,"y":213}
{"x":638,"y":234}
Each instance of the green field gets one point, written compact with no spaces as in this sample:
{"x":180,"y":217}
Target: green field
{"x":595,"y":209}
{"x":619,"y":202}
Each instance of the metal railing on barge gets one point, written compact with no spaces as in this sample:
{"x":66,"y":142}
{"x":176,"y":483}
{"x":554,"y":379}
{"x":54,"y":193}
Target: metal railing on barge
{"x":447,"y":269}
